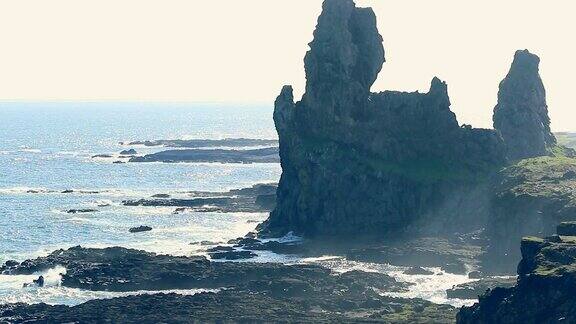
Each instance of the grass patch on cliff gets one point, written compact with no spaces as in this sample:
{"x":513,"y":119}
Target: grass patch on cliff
{"x":544,"y":165}
{"x":541,"y":177}
{"x":422,"y":169}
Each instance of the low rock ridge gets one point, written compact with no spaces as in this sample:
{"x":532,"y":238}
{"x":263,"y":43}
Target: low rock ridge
{"x":263,"y":155}
{"x":258,"y":198}
{"x":545,"y":289}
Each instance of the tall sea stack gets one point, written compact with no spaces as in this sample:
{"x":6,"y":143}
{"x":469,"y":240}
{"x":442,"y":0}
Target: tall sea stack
{"x":361,"y":162}
{"x":521,"y":115}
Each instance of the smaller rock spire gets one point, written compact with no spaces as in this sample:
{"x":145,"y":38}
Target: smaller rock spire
{"x":521,"y":115}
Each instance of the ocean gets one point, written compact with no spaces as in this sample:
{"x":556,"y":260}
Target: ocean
{"x":48,"y":148}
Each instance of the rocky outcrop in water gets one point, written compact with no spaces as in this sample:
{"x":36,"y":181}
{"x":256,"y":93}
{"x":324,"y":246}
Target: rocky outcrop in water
{"x":545,"y":289}
{"x":258,"y":198}
{"x":264,"y":155}
{"x":360,"y":162}
{"x":521,"y":115}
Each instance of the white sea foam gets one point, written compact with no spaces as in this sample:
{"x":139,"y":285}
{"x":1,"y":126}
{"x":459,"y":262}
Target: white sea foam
{"x":24,"y":190}
{"x":30,"y":150}
{"x":428,"y":287}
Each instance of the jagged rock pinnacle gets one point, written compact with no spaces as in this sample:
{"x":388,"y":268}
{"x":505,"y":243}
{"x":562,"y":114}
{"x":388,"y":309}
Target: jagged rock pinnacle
{"x":521,"y":115}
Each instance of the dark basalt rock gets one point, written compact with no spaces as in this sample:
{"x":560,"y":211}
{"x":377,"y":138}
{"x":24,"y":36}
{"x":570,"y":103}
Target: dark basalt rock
{"x":81,"y":211}
{"x":254,"y":291}
{"x":234,"y":306}
{"x":264,"y":155}
{"x":544,"y":292}
{"x":258,"y":198}
{"x":474,"y":289}
{"x":139,"y":229}
{"x":360,"y":162}
{"x":129,"y":152}
{"x":233,"y":255}
{"x":521,"y":115}
{"x":103,"y":156}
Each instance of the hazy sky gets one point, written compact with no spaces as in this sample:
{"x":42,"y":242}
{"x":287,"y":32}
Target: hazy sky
{"x":245,"y":50}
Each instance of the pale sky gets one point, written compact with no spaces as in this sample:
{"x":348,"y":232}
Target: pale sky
{"x":245,"y":50}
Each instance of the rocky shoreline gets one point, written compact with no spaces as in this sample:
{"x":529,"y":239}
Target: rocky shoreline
{"x":545,"y":289}
{"x":248,"y":291}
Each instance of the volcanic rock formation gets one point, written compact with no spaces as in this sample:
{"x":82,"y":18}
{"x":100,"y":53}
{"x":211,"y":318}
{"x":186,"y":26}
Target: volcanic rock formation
{"x":521,"y":115}
{"x":355,"y":161}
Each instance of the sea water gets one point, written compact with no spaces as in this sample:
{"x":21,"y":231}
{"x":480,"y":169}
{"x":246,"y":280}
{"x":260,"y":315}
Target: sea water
{"x":47,"y":148}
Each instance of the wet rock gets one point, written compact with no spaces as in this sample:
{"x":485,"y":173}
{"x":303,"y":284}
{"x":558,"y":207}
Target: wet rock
{"x":139,"y":229}
{"x":276,"y":247}
{"x":205,"y":243}
{"x":81,"y":211}
{"x":254,"y":291}
{"x":233,"y":255}
{"x":472,"y":290}
{"x":422,"y":252}
{"x":129,"y":152}
{"x":244,"y":241}
{"x":237,"y":200}
{"x":475,"y":275}
{"x":105,"y":156}
{"x":118,"y":162}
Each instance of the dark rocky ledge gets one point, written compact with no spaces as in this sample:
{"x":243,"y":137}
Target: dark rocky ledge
{"x":264,"y":155}
{"x":258,"y":198}
{"x":474,"y":289}
{"x":545,"y":289}
{"x":200,"y":143}
{"x":254,"y":291}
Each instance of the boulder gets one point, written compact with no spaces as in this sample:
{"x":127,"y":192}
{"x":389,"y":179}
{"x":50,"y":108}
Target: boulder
{"x":139,"y":229}
{"x":129,"y":152}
